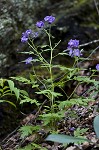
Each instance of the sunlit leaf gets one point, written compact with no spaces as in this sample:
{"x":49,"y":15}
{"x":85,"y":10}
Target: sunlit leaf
{"x":11,"y":85}
{"x":22,"y":79}
{"x":96,"y":125}
{"x":17,"y":92}
{"x":64,"y":139}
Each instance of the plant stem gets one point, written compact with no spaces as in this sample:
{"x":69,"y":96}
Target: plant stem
{"x":51,"y":74}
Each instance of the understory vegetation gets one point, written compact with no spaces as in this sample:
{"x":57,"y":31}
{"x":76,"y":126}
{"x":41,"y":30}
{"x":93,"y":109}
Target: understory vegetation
{"x":65,"y":94}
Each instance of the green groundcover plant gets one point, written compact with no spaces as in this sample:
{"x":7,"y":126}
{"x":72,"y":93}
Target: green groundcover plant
{"x":58,"y":101}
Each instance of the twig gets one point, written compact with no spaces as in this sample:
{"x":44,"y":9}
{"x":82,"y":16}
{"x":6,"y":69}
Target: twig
{"x":10,"y":134}
{"x":36,"y":115}
{"x":93,"y":51}
{"x":96,"y":6}
{"x":95,"y":41}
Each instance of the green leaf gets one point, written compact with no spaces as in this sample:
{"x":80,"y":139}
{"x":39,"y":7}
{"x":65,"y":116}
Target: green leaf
{"x":1,"y":90}
{"x":11,"y":103}
{"x":27,"y":130}
{"x":79,"y":132}
{"x":64,"y":139}
{"x":30,"y":52}
{"x":22,"y":79}
{"x":2,"y":81}
{"x":23,"y":92}
{"x":13,"y":89}
{"x":86,"y":79}
{"x":17,"y":92}
{"x":29,"y":100}
{"x":96,"y":125}
{"x":47,"y":118}
{"x":28,"y":147}
{"x":11,"y":85}
{"x":75,"y":101}
{"x":7,"y":91}
{"x":55,"y":94}
{"x":5,"y":88}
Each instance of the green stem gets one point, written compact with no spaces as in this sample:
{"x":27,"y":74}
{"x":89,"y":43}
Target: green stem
{"x":39,"y":81}
{"x":51,"y":75}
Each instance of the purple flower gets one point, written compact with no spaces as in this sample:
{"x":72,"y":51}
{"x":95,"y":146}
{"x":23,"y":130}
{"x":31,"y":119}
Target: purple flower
{"x":97,"y":66}
{"x":24,"y":39}
{"x":76,"y":52}
{"x":73,"y":43}
{"x":49,"y":19}
{"x":28,"y":60}
{"x":40,"y":24}
{"x":72,"y":128}
{"x":28,"y":32}
{"x":25,"y":35}
{"x":73,"y":48}
{"x":70,"y":52}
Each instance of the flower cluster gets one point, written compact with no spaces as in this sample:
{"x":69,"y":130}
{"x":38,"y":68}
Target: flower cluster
{"x":48,"y":19}
{"x":39,"y":24}
{"x":27,"y":34}
{"x":73,"y":48}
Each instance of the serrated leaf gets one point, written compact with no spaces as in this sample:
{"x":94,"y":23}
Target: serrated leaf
{"x":96,"y":125}
{"x":86,"y":79}
{"x":22,"y":79}
{"x":79,"y":132}
{"x":64,"y":139}
{"x":27,"y":130}
{"x":24,"y":93}
{"x":55,"y":94}
{"x":75,"y":101}
{"x":29,"y":100}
